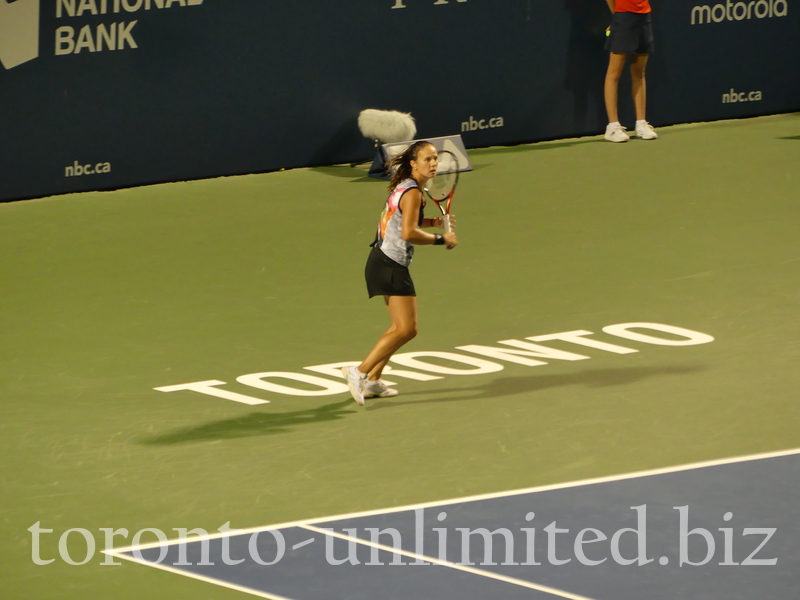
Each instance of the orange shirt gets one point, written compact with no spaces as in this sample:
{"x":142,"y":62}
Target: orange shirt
{"x":634,"y":6}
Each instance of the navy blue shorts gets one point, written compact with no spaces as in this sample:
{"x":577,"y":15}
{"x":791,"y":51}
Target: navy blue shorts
{"x":631,"y":33}
{"x":386,"y":277}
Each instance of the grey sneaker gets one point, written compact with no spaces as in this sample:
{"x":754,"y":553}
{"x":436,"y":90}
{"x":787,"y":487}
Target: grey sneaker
{"x":356,"y":382}
{"x":378,"y":389}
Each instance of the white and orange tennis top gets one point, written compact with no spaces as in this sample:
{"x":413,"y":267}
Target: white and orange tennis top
{"x":390,"y":228}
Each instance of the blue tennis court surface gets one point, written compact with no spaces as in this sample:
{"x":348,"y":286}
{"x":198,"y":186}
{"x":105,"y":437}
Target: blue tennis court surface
{"x":727,"y":529}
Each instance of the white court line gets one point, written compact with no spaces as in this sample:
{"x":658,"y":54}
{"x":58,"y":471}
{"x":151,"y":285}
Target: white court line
{"x":459,"y":567}
{"x":204,"y":579}
{"x":476,"y":498}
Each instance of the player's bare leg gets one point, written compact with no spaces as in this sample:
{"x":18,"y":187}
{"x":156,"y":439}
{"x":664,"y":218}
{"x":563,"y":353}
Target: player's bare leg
{"x":376,"y":372}
{"x":616,"y":63}
{"x":639,"y":84}
{"x":403,"y":312}
{"x":639,"y":89}
{"x":615,"y":132}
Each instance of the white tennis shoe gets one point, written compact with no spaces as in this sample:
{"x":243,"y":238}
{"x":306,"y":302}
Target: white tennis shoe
{"x":378,"y":389}
{"x":356,"y":381}
{"x":616,"y":133}
{"x":645,"y":131}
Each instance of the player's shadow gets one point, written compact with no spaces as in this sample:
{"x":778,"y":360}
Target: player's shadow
{"x":263,"y":423}
{"x":508,"y":386}
{"x":253,"y":424}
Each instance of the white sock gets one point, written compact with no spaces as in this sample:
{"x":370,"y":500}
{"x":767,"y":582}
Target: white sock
{"x":642,"y":122}
{"x":613,"y":125}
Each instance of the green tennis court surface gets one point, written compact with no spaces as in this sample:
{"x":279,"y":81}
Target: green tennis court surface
{"x":107,"y":296}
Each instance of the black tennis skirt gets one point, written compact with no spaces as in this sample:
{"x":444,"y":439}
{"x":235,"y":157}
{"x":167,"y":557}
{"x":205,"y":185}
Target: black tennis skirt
{"x":631,"y":33}
{"x":386,"y":277}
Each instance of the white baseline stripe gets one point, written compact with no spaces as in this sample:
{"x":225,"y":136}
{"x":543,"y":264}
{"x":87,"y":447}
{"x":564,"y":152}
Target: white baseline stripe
{"x":476,"y":498}
{"x":443,"y":563}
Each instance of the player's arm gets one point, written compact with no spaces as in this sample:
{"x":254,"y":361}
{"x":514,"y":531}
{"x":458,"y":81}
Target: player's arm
{"x":612,"y":4}
{"x":410,"y":205}
{"x":438,"y":222}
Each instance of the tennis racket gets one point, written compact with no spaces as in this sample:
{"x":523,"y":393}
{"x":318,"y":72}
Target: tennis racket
{"x":442,"y":187}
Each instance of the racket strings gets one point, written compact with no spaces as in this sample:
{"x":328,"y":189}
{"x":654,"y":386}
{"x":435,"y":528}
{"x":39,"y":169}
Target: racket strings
{"x":440,"y":186}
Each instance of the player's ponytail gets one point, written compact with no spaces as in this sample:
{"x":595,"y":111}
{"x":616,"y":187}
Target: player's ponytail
{"x":400,"y":165}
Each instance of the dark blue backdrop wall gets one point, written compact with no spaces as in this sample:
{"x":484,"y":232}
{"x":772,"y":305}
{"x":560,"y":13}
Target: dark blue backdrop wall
{"x":126,"y":92}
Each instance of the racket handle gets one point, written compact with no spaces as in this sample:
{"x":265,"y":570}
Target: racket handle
{"x":447,"y":228}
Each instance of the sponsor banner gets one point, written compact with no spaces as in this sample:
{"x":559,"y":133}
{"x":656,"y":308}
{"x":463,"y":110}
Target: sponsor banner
{"x":98,"y":94}
{"x":713,"y":59}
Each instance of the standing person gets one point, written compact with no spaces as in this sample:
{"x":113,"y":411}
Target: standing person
{"x":631,"y":32}
{"x":387,"y":275}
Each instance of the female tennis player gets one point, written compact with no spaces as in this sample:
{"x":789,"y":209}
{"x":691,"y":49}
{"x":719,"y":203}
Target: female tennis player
{"x":399,"y":230}
{"x":631,"y":32}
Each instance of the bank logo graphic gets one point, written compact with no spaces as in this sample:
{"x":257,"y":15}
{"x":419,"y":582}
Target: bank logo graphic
{"x":19,"y":27}
{"x":19,"y":32}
